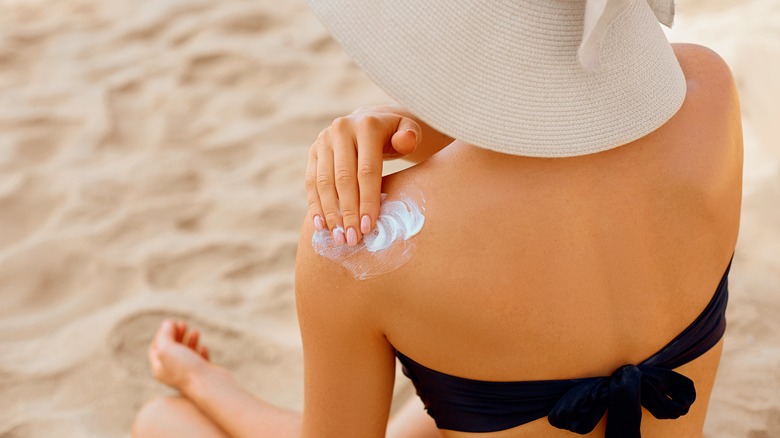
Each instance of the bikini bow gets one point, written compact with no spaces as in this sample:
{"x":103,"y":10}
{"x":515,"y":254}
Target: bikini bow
{"x":666,"y":394}
{"x":599,"y":14}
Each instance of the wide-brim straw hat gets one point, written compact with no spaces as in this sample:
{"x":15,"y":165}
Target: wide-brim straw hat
{"x":541,"y":78}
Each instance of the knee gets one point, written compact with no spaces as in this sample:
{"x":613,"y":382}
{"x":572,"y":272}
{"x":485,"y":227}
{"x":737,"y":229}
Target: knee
{"x":153,"y":416}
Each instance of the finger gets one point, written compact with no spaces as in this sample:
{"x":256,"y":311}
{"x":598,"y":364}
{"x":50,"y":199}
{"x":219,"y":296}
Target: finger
{"x":369,"y":173}
{"x":345,"y":174}
{"x":407,"y":137}
{"x":204,"y":352}
{"x":181,"y":331}
{"x":166,"y":333}
{"x":312,"y":196}
{"x":192,"y":341}
{"x":326,"y":187}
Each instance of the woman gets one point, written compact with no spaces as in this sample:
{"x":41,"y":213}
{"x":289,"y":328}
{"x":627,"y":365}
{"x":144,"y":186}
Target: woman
{"x":571,"y":271}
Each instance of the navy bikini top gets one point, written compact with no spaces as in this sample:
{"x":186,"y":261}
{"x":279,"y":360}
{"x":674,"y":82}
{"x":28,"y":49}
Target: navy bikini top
{"x":577,"y":405}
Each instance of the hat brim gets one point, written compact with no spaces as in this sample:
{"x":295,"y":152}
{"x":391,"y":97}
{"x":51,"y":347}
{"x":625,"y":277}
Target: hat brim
{"x":505,"y":75}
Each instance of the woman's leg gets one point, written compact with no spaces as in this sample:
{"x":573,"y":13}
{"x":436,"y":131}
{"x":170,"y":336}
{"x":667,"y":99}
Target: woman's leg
{"x":411,"y":421}
{"x":174,"y":417}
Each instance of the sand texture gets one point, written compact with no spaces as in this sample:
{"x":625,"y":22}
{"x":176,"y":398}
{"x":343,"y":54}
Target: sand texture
{"x":151,"y":165}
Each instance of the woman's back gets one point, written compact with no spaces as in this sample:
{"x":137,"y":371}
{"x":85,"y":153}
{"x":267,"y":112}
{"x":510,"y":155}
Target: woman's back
{"x":571,"y":275}
{"x":537,"y":269}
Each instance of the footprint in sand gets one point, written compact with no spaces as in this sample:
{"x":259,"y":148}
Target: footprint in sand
{"x":230,"y":348}
{"x":51,"y":281}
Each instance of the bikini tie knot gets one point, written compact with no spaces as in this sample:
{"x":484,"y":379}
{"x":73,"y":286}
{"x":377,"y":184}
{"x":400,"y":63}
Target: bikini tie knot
{"x":666,"y":394}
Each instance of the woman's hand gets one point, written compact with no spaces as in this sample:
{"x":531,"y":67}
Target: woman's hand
{"x":344,"y":172}
{"x":175,"y":355}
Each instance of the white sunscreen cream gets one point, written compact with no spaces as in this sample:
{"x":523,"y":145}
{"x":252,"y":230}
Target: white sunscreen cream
{"x":383,"y":250}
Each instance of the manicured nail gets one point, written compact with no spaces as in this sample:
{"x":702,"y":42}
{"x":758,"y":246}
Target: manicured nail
{"x":365,"y":224}
{"x":318,"y":224}
{"x":338,"y":235}
{"x":351,"y":236}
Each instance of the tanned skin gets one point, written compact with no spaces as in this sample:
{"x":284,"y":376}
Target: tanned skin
{"x":526,"y":269}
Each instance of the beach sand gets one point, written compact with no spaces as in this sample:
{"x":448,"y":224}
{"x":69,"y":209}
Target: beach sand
{"x":151,"y":165}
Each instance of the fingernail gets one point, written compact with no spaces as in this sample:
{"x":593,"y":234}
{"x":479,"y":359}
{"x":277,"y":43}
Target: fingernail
{"x":365,"y":224}
{"x":351,"y":236}
{"x":338,"y":235}
{"x":318,"y":223}
{"x":413,"y":133}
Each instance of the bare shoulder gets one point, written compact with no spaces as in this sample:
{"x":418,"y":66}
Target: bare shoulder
{"x":697,"y":59}
{"x":325,"y":288}
{"x":703,"y":141}
{"x":712,"y":90}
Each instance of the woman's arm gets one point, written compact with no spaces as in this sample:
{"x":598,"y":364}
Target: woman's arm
{"x":238,"y":412}
{"x":349,"y":366}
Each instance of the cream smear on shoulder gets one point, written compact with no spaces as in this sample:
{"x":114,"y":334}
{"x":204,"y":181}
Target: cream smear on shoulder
{"x":385,"y":249}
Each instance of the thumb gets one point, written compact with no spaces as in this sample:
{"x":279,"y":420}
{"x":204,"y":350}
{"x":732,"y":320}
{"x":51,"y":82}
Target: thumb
{"x":407,"y":137}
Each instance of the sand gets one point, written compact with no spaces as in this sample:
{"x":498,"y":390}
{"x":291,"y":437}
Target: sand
{"x":151,"y":165}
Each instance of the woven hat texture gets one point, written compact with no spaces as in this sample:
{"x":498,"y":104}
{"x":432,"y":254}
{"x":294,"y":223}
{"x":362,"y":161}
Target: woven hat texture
{"x":542,"y":78}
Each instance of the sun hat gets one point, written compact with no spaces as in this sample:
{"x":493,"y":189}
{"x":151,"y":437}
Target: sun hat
{"x":541,"y":78}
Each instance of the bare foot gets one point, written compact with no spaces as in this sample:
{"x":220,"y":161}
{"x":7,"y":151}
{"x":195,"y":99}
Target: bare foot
{"x":176,"y":356}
